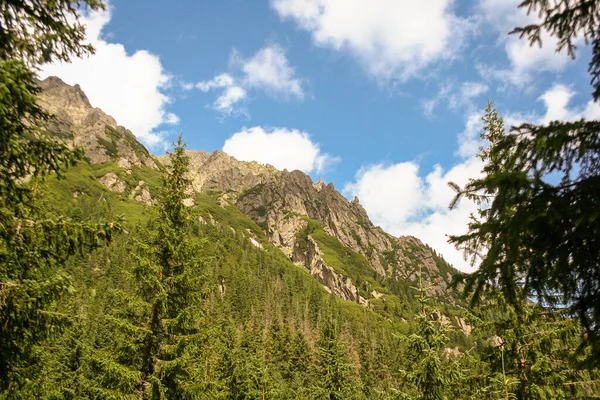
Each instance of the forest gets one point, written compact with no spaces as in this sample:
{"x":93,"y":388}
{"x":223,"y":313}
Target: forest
{"x":120,"y":300}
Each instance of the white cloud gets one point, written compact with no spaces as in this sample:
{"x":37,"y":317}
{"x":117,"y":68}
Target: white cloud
{"x":405,"y":202}
{"x":592,"y":111}
{"x":228,"y":98}
{"x":525,"y":61}
{"x":219,"y":81}
{"x":502,"y":15}
{"x":127,"y":86}
{"x":471,"y":90}
{"x":268,"y":70}
{"x":392,"y":39}
{"x":281,"y":147}
{"x":171,"y":119}
{"x":231,"y":93}
{"x":469,"y":140}
{"x":557,"y":101}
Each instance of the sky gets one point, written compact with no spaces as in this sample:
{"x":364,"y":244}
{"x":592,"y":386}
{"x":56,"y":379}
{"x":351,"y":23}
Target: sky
{"x":382,"y":97}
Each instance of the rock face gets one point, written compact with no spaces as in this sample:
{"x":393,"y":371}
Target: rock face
{"x":340,"y":285}
{"x":282,"y":203}
{"x":89,"y":127}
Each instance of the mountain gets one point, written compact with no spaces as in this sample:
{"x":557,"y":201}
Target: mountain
{"x":310,"y":222}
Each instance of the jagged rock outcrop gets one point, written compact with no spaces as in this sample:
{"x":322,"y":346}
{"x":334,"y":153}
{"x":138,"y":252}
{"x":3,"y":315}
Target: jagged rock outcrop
{"x":340,"y":285}
{"x":78,"y":123}
{"x":219,"y":172}
{"x":112,"y":181}
{"x":281,"y":201}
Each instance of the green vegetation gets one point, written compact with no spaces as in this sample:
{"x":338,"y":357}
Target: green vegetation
{"x":110,"y":147}
{"x":208,"y":207}
{"x":126,"y":138}
{"x":253,"y":191}
{"x":79,"y":187}
{"x":540,"y":232}
{"x":34,"y":246}
{"x":342,"y":259}
{"x":183,"y":307}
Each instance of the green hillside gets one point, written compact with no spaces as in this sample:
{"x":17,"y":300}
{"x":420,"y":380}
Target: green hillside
{"x":267,"y":329}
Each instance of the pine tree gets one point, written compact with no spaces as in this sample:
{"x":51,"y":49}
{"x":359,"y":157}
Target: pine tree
{"x":170,"y":273}
{"x":34,"y":246}
{"x":41,"y":31}
{"x":432,"y":372}
{"x":540,"y":236}
{"x":336,"y":380}
{"x":147,"y":341}
{"x":532,"y":352}
{"x":480,"y":191}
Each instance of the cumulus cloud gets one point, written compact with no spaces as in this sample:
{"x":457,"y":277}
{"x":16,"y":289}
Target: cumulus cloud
{"x":171,"y":119}
{"x":404,"y":201}
{"x":231,"y":93}
{"x":219,"y":81}
{"x":228,"y":98}
{"x":283,"y":148}
{"x":524,"y":60}
{"x":392,"y":39}
{"x":557,"y":100}
{"x":268,"y":70}
{"x":557,"y":103}
{"x":130,"y":87}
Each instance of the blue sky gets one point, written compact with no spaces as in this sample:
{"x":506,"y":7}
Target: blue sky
{"x":380,"y":97}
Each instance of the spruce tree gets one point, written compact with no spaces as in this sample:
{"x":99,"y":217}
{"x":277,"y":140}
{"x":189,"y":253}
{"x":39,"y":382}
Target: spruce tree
{"x":170,"y":272}
{"x":532,"y":352}
{"x":432,"y":372}
{"x":540,"y":236}
{"x":336,"y":380}
{"x":34,"y":246}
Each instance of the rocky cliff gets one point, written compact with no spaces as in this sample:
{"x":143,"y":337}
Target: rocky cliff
{"x":311,"y":222}
{"x":285,"y":203}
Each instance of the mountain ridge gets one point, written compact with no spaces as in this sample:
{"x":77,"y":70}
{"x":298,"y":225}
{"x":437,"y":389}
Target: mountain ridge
{"x":310,"y":222}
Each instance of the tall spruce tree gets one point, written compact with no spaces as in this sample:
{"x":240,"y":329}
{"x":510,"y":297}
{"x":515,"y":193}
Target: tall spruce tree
{"x":540,"y":236}
{"x":433,"y":372}
{"x":170,"y":272}
{"x":334,"y":371}
{"x":34,"y":246}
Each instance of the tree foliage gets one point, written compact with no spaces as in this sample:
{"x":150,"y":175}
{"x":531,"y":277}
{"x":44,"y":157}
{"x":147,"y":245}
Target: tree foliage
{"x":531,"y":351}
{"x":40,"y":31}
{"x":34,"y":246}
{"x":433,"y":371}
{"x":169,"y":274}
{"x":539,"y":235}
{"x":181,"y":309}
{"x":566,"y":20}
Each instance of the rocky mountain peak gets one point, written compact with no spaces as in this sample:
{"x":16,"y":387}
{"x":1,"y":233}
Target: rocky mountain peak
{"x":78,"y":123}
{"x":55,"y":88}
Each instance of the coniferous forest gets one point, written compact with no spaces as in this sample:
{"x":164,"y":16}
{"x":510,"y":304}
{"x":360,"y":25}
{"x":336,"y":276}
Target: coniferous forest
{"x":116,"y":299}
